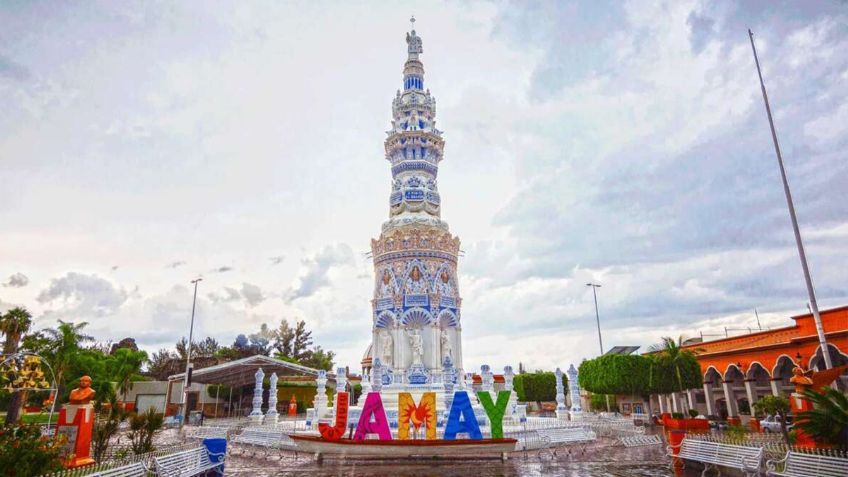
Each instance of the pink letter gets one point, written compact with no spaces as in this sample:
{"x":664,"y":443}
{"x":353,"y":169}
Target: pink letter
{"x":380,"y":425}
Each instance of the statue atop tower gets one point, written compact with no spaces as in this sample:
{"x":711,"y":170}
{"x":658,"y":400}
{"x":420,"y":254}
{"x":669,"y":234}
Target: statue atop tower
{"x":416,"y":305}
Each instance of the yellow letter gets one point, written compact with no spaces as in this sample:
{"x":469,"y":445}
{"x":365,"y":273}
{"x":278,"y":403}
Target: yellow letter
{"x":424,"y":412}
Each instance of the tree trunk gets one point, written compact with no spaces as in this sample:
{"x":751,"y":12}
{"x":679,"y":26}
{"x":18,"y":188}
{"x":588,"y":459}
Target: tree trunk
{"x":784,"y":431}
{"x":13,"y":411}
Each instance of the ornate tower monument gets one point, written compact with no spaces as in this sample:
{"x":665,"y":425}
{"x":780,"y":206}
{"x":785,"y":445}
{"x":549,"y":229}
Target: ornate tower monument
{"x":416,"y":305}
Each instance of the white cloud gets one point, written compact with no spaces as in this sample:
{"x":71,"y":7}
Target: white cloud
{"x":616,"y":142}
{"x":17,"y":280}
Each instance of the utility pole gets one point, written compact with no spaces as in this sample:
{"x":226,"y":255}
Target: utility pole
{"x":814,"y":307}
{"x":187,"y":380}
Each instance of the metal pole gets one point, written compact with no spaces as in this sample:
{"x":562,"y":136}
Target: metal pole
{"x":188,"y":355}
{"x":810,"y":291}
{"x":598,"y":321}
{"x":758,"y":319}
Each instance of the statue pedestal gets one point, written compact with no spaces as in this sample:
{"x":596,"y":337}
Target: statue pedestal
{"x":800,"y":404}
{"x":76,"y":422}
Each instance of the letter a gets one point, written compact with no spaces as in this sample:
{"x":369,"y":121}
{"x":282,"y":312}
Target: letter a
{"x":495,"y":411}
{"x":380,"y":425}
{"x":334,"y":433}
{"x":423,"y":413}
{"x":461,"y":407}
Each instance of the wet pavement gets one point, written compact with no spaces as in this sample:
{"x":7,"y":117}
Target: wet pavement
{"x":603,"y":459}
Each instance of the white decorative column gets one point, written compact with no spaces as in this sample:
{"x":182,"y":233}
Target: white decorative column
{"x":710,"y":400}
{"x":376,"y":376}
{"x":730,"y":399}
{"x":561,"y":410}
{"x":775,"y":388}
{"x":675,"y":406}
{"x":448,"y":379}
{"x":752,"y":394}
{"x":256,"y":414}
{"x":487,"y":378}
{"x":576,"y":411}
{"x":662,"y":404}
{"x":320,"y":403}
{"x":690,"y":398}
{"x":271,"y":415}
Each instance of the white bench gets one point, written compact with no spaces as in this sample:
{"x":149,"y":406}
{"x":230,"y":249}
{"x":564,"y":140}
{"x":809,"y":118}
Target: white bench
{"x":204,"y":432}
{"x":266,"y":439}
{"x":187,"y":463}
{"x":715,"y":454}
{"x":133,"y":470}
{"x":567,"y":435}
{"x":801,"y":465}
{"x":635,"y":441}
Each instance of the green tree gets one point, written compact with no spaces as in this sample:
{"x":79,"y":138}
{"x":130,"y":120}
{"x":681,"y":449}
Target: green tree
{"x":671,"y":354}
{"x":777,"y":406}
{"x":124,"y":367}
{"x":63,"y":347}
{"x":13,"y":325}
{"x":317,"y":358}
{"x":537,"y":387}
{"x":827,"y":422}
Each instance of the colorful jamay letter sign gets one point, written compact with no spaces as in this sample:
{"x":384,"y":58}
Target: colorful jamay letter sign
{"x":334,"y":433}
{"x":461,"y":407}
{"x":423,"y":413}
{"x":495,"y":411}
{"x":373,"y":407}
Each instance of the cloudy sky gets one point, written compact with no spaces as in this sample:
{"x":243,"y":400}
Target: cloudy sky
{"x":145,"y":143}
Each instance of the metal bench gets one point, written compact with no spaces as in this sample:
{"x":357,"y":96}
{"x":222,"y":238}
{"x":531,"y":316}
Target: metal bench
{"x":132,"y":470}
{"x":566,"y":435}
{"x":187,"y":463}
{"x":204,"y":432}
{"x":801,"y":464}
{"x":636,"y":441}
{"x":716,"y":454}
{"x":265,"y":440}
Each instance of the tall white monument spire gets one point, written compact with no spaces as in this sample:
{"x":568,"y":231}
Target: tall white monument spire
{"x":416,"y":305}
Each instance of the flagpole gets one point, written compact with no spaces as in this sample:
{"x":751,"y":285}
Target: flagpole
{"x":814,"y":307}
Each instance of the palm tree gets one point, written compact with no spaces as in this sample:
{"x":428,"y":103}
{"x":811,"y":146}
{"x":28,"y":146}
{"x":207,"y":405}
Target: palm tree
{"x":14,"y":324}
{"x":671,"y":353}
{"x":827,"y":422}
{"x":124,"y":365}
{"x":63,"y":345}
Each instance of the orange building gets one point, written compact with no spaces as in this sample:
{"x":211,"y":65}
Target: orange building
{"x":741,"y":369}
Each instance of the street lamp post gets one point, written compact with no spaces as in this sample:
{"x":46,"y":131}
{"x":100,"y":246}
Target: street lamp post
{"x":597,"y":316}
{"x":188,"y":355}
{"x":814,"y":307}
{"x":595,"y":286}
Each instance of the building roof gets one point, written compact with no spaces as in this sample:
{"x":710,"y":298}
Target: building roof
{"x":622,"y":350}
{"x":242,"y":371}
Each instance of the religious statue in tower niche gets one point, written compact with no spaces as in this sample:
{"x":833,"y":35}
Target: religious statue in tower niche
{"x":415,"y":284}
{"x":446,"y":344}
{"x":416,"y":345}
{"x":386,"y":284}
{"x":444,"y":284}
{"x":386,"y":347}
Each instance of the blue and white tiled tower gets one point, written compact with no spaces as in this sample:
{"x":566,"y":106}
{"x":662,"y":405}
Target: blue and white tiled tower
{"x":416,"y":305}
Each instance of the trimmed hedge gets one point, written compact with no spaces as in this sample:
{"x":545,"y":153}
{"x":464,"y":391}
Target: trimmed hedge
{"x":638,"y":375}
{"x":537,"y":386}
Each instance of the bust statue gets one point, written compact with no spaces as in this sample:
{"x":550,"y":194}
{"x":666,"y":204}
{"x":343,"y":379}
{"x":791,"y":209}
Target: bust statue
{"x":83,"y":394}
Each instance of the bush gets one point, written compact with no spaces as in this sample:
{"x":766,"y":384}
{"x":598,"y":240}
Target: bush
{"x":24,"y":452}
{"x":693,"y":413}
{"x":599,"y":402}
{"x":539,"y":386}
{"x":677,"y":415}
{"x":142,"y":429}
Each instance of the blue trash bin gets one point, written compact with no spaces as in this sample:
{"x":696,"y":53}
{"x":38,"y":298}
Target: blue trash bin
{"x":216,"y":446}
